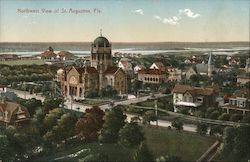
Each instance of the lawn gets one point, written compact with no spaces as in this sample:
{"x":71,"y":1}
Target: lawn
{"x":23,"y":62}
{"x":188,"y":146}
{"x":113,"y":151}
{"x":161,"y":141}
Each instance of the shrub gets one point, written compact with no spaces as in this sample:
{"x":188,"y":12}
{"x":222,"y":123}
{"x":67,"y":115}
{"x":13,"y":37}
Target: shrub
{"x":236,"y":117}
{"x":224,"y":116}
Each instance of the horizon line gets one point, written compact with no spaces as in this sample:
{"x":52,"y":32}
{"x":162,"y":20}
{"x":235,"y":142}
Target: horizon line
{"x":133,"y":42}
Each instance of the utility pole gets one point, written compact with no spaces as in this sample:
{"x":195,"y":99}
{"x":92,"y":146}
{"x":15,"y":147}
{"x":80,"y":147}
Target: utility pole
{"x":24,"y":90}
{"x":156,"y":112}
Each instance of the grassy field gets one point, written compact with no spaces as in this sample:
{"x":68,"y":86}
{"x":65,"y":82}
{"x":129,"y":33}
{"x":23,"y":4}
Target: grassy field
{"x":188,"y":146}
{"x":23,"y":62}
{"x":114,"y":152}
{"x":161,"y":142}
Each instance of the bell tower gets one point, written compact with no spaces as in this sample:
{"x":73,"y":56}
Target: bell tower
{"x":101,"y":56}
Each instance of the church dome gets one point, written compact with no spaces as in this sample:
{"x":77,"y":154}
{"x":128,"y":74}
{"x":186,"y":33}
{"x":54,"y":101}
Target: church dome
{"x":101,"y":42}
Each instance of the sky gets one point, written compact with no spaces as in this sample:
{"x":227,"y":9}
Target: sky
{"x":124,"y":20}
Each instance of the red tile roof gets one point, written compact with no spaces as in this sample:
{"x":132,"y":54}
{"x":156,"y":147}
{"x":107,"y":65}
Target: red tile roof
{"x":150,"y":71}
{"x":90,"y":70}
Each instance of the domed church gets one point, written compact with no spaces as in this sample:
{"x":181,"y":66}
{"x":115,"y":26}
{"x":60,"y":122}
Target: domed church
{"x":99,"y":74}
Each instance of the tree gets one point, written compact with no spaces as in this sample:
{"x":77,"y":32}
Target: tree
{"x":214,"y":115}
{"x":9,"y":96}
{"x":51,"y":118}
{"x":6,"y":153}
{"x":31,"y":104}
{"x":51,"y":103}
{"x":202,"y":128}
{"x":136,"y":86}
{"x":236,"y":117}
{"x":235,"y":144}
{"x":246,"y":118}
{"x":178,"y":124}
{"x":90,"y":124}
{"x":142,"y":154}
{"x":131,"y":134}
{"x":108,"y":91}
{"x":216,"y":130}
{"x":224,"y":116}
{"x":149,"y":116}
{"x":114,"y":121}
{"x":66,"y":122}
{"x":92,"y":93}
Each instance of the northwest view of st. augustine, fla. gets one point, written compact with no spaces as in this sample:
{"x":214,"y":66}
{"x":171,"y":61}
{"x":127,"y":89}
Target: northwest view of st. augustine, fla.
{"x":148,"y":80}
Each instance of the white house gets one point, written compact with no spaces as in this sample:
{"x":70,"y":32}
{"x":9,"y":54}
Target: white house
{"x":3,"y":88}
{"x":138,"y":68}
{"x":158,"y":65}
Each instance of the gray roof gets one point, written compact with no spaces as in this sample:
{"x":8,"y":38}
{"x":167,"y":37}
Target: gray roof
{"x":201,"y":68}
{"x":101,"y":42}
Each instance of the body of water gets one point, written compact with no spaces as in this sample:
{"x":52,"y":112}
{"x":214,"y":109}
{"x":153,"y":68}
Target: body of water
{"x":143,"y":48}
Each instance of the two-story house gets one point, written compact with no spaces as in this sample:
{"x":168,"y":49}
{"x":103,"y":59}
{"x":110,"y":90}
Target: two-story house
{"x":238,"y":102}
{"x":186,"y":96}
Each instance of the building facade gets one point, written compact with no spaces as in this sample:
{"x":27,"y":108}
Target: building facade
{"x":186,"y":96}
{"x":99,"y":74}
{"x":238,"y":102}
{"x":154,"y":76}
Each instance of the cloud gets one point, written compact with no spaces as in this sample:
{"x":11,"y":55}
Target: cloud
{"x":139,"y":11}
{"x":175,"y":20}
{"x":189,"y":13}
{"x":172,"y":21}
{"x":157,"y":18}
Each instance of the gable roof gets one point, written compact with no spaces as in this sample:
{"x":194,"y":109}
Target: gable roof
{"x":90,"y":70}
{"x":207,"y":91}
{"x":12,"y":109}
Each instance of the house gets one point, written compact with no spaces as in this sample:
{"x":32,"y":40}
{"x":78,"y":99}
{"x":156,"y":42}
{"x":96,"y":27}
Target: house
{"x":138,"y":67}
{"x":202,"y":68}
{"x":154,"y":76}
{"x":12,"y":113}
{"x":3,"y":88}
{"x":48,"y":54}
{"x":174,"y":74}
{"x":186,"y":96}
{"x":191,"y":71}
{"x":158,"y":65}
{"x":8,"y":57}
{"x":126,"y":66}
{"x":243,"y":79}
{"x":65,"y":55}
{"x":238,"y":102}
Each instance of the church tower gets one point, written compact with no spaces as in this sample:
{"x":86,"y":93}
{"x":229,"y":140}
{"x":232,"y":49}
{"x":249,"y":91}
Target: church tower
{"x":101,"y":57}
{"x":210,"y":65}
{"x":101,"y":53}
{"x":247,"y":67}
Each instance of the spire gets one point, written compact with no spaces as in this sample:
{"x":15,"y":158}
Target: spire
{"x":210,"y":59}
{"x":85,"y":67}
{"x":101,"y":32}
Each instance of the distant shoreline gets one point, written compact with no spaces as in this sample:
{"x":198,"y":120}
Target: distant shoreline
{"x":141,"y":42}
